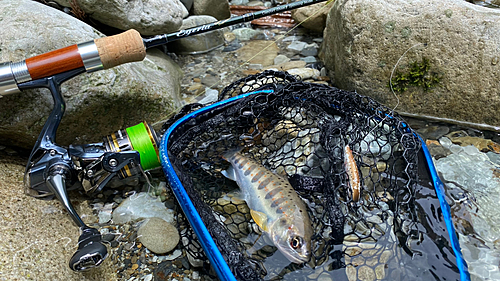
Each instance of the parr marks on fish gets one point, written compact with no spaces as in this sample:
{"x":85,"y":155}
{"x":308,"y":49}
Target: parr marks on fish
{"x":275,"y":206}
{"x":352,"y":173}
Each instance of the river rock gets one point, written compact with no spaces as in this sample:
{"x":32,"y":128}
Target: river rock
{"x":259,"y":52}
{"x":149,"y":17}
{"x":218,"y":9}
{"x":310,"y":50}
{"x":313,"y":17}
{"x":201,"y":43}
{"x":245,"y":33}
{"x":279,"y":59}
{"x":139,"y":206}
{"x":305,"y":73}
{"x":452,"y":44}
{"x":296,"y":46}
{"x":97,"y":104}
{"x":309,"y":59}
{"x":158,"y":236}
{"x":288,"y":65}
{"x":187,"y":3}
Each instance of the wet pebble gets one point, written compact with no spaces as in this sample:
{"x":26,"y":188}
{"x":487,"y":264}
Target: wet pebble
{"x":297,"y":46}
{"x":281,"y":59}
{"x":438,"y":151}
{"x":433,"y":132}
{"x":309,"y":59}
{"x":245,"y":34}
{"x":324,"y":277}
{"x":310,"y":50}
{"x":233,"y":46}
{"x":177,"y":253}
{"x":305,"y":73}
{"x":209,"y":80}
{"x":158,"y":235}
{"x":108,"y":237}
{"x":292,"y":38}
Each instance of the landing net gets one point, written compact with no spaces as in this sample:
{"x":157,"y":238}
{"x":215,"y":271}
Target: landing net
{"x":393,"y":229}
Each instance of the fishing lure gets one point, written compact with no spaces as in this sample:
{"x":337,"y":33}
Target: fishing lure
{"x":352,"y":173}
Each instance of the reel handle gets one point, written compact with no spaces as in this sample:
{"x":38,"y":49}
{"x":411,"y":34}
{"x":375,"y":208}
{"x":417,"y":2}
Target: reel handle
{"x":91,"y":252}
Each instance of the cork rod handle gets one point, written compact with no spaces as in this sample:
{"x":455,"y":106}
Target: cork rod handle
{"x":121,"y":48}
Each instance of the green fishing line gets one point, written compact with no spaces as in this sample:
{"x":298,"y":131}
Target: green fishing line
{"x":141,"y":141}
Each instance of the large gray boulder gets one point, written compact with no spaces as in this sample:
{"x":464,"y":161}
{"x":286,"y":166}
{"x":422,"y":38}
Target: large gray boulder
{"x":218,"y":9}
{"x":313,"y":17}
{"x":98,"y":103}
{"x":149,"y":17}
{"x":450,"y":47}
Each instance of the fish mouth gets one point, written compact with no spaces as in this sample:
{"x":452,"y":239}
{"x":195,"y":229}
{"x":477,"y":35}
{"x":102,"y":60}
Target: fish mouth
{"x":298,"y":259}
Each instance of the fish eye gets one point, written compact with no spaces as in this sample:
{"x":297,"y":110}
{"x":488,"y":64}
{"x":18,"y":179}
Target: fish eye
{"x":296,"y":242}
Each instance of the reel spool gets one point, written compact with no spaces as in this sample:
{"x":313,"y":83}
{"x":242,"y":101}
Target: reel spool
{"x":125,"y":153}
{"x":140,"y":138}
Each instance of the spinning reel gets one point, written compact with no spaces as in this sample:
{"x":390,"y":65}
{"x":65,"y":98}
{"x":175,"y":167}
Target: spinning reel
{"x":53,"y":169}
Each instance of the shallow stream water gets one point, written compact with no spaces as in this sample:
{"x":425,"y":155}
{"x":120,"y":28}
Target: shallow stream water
{"x":471,"y":174}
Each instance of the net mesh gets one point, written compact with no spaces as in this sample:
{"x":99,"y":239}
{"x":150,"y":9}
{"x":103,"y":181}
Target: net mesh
{"x":301,"y":131}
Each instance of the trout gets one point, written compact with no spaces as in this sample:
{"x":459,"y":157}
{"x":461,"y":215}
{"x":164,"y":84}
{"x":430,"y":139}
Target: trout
{"x":274,"y":206}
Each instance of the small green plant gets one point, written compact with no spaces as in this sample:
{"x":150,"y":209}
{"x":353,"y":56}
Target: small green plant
{"x":419,"y":75}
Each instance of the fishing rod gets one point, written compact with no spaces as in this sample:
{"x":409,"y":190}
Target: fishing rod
{"x":53,"y":169}
{"x":108,"y":52}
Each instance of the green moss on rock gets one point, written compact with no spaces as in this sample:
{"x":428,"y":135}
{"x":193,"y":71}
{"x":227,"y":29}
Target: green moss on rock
{"x":418,"y":75}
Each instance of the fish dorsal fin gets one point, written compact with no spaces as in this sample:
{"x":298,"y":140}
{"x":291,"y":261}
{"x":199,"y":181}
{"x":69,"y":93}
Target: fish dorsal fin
{"x":260,"y":219}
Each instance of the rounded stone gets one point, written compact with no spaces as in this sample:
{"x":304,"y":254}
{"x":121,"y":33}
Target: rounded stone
{"x":366,"y":274}
{"x":200,"y":43}
{"x":158,"y":235}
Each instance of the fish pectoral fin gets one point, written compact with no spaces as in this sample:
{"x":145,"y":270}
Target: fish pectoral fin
{"x":230,"y":173}
{"x":260,"y":219}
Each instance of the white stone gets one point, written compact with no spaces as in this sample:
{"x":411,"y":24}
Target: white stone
{"x":210,"y":96}
{"x":177,"y":253}
{"x":141,"y":205}
{"x":305,"y":73}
